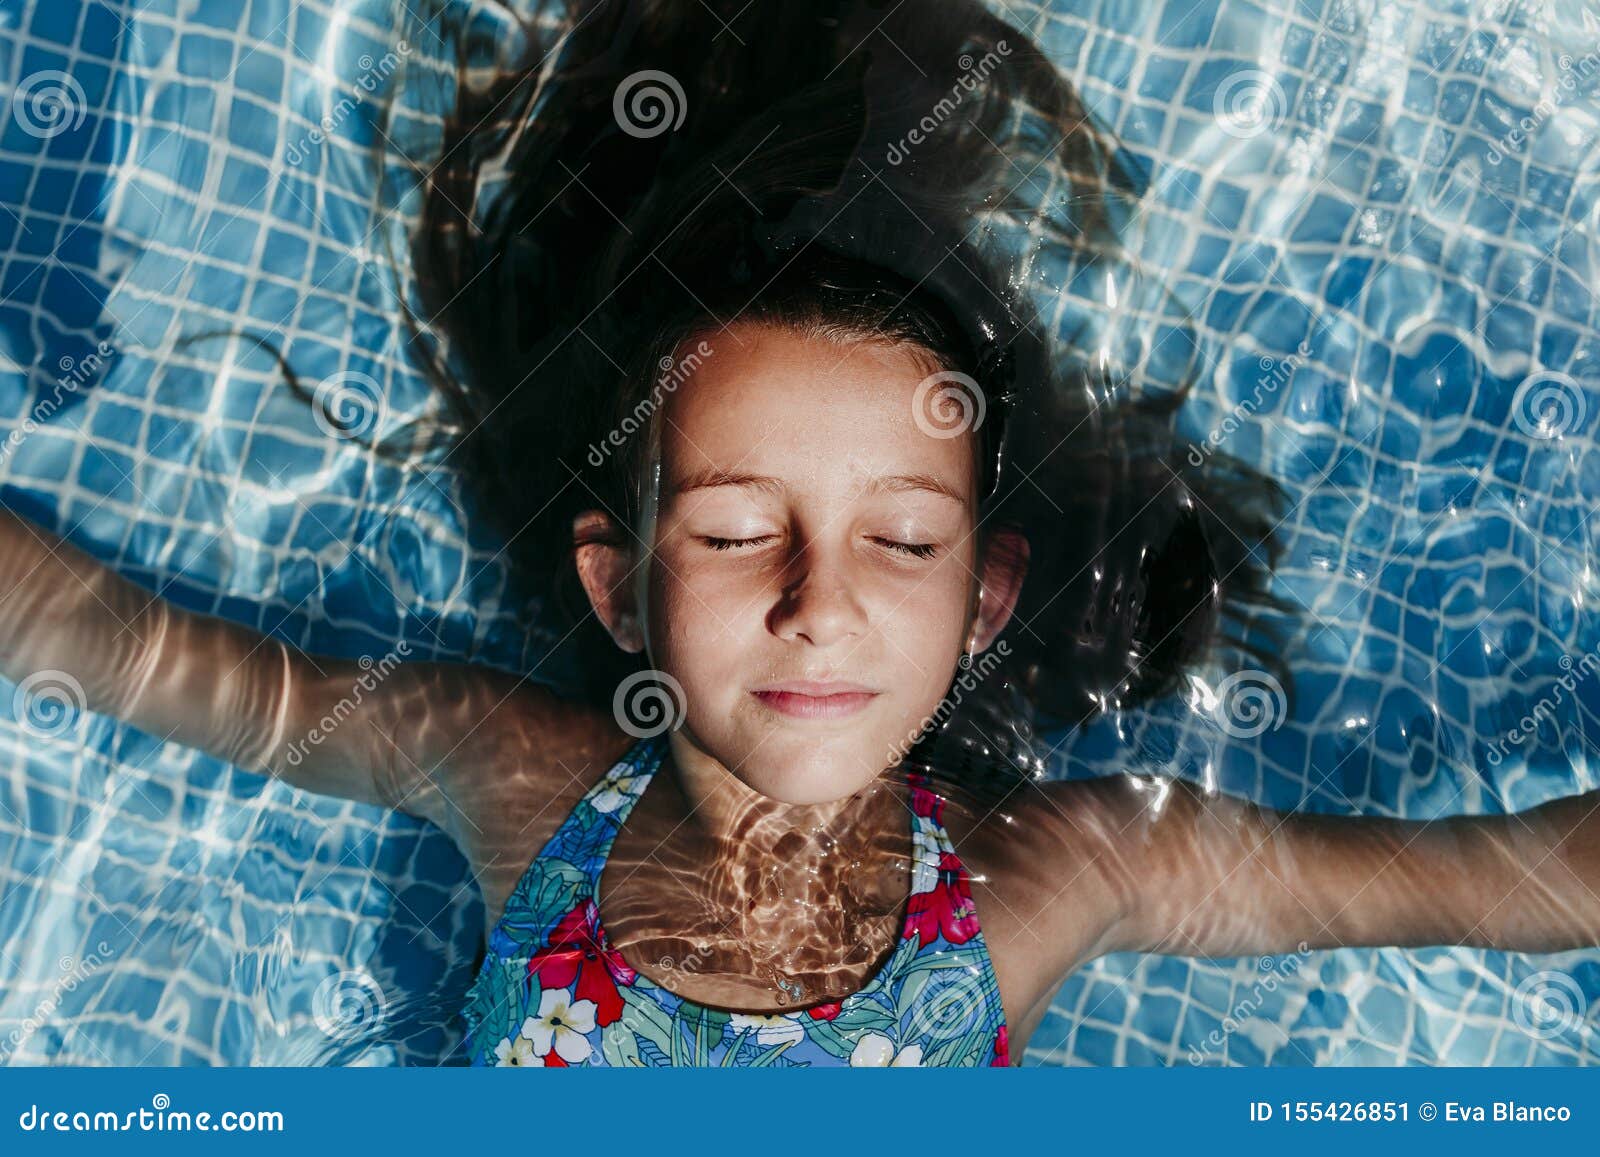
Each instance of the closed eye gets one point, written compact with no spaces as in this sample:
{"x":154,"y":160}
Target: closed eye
{"x":919,"y":549}
{"x":730,"y":543}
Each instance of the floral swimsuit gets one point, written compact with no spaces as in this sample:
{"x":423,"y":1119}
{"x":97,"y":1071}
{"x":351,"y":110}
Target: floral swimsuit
{"x":553,"y":991}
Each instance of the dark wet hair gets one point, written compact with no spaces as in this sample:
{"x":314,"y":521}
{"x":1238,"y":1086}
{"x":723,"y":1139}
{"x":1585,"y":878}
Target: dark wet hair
{"x":828,"y":167}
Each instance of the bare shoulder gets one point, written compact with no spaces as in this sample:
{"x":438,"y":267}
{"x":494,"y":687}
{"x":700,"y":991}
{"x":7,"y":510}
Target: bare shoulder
{"x":524,"y":758}
{"x":1046,"y":883}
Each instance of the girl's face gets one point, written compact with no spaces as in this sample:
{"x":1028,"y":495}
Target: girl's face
{"x":815,"y":576}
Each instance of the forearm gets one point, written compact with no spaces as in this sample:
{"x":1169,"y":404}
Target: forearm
{"x":1526,"y":882}
{"x":378,"y":732}
{"x":1232,"y":878}
{"x":1551,"y":857}
{"x":201,"y":681}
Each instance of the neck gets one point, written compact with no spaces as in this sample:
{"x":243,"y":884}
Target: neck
{"x":800,"y":900}
{"x":717,"y":807}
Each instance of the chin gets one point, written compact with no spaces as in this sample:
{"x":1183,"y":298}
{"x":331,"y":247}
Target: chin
{"x":812,"y":773}
{"x":801,"y":793}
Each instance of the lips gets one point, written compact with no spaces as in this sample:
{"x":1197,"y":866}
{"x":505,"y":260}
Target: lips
{"x":808,"y":699}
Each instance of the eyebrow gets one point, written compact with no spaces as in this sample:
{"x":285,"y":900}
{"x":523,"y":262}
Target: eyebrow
{"x":883,"y":484}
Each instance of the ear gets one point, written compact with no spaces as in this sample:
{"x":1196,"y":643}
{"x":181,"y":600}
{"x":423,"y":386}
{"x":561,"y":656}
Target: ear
{"x":605,"y":567}
{"x":1004,"y":566}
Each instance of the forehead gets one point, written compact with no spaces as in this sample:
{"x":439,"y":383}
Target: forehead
{"x":809,"y":410}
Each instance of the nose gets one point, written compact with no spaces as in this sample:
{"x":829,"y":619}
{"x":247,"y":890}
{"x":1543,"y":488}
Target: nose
{"x":819,"y":602}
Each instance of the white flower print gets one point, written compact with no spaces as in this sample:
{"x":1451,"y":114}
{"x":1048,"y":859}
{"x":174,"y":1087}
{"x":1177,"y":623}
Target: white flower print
{"x":618,"y":792}
{"x":517,"y":1050}
{"x":561,"y":1024}
{"x":770,"y":1028}
{"x":874,"y":1050}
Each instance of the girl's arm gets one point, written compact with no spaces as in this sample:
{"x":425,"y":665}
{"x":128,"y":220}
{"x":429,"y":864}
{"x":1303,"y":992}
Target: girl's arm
{"x":1216,"y":876}
{"x":388,"y":733}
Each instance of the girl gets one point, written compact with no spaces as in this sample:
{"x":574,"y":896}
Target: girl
{"x":773,"y":443}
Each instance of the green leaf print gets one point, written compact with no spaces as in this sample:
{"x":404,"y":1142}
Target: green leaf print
{"x":642,"y":1015}
{"x":502,"y":1014}
{"x":862,"y":1014}
{"x":586,"y":818}
{"x":831,"y":1041}
{"x":733,"y":1049}
{"x":552,"y":885}
{"x":932,"y":963}
{"x":772,"y":1054}
{"x":707,"y":1025}
{"x":872,"y":1014}
{"x":620,"y":1046}
{"x":559,"y":886}
{"x":938,"y":998}
{"x":961,"y":1050}
{"x":677,"y":1043}
{"x":905,"y":998}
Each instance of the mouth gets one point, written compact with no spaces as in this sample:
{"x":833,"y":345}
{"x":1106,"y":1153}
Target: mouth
{"x":803,"y":699}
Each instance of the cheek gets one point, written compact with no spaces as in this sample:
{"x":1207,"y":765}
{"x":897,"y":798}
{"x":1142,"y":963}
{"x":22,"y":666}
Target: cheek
{"x":928,"y":623}
{"x":698,"y":623}
{"x":695,"y":584}
{"x":940,"y":595}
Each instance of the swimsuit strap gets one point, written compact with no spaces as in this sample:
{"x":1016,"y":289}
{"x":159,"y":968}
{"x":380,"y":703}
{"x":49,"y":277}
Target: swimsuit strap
{"x":612,"y":799}
{"x":567,"y":868}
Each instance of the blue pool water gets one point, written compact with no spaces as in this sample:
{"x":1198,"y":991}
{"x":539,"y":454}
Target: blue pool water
{"x":1407,"y":189}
